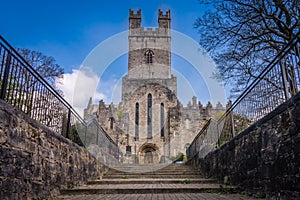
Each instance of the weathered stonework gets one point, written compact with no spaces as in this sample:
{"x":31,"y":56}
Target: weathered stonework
{"x":35,"y":162}
{"x":129,"y":85}
{"x":263,"y":159}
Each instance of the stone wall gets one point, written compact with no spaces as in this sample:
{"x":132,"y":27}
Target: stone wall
{"x":130,"y":85}
{"x":265,"y":158}
{"x":36,"y":162}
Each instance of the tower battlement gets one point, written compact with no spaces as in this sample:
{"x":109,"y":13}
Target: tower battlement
{"x":135,"y":15}
{"x":164,"y":19}
{"x":161,"y":15}
{"x":135,"y":19}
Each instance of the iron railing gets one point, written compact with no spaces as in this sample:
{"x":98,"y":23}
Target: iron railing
{"x":278,"y":82}
{"x":22,"y":87}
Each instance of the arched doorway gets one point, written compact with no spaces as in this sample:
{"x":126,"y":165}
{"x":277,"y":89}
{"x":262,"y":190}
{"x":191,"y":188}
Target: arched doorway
{"x":148,"y":157}
{"x":148,"y":153}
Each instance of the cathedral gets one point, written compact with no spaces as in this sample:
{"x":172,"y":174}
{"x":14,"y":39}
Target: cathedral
{"x":150,"y":125}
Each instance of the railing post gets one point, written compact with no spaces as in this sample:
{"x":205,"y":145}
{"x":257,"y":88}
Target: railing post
{"x":284,"y":79}
{"x":5,"y":76}
{"x":232,"y":124}
{"x":188,"y":152}
{"x":218,"y":132}
{"x":195,"y":147}
{"x":68,"y":123}
{"x":97,"y":142}
{"x":85,"y":132}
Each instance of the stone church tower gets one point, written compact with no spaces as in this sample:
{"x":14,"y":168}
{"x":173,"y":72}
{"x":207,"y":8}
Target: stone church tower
{"x":150,"y":125}
{"x":149,"y":89}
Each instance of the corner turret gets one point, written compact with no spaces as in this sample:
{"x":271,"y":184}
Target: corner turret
{"x":164,"y":19}
{"x":135,"y":19}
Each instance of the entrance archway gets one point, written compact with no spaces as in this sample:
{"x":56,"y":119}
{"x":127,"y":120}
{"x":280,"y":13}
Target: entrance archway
{"x":148,"y":153}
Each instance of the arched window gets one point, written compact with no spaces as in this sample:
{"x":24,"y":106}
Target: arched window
{"x":149,"y":56}
{"x":111,"y":119}
{"x":187,"y":123}
{"x":137,"y":120}
{"x":162,"y":120}
{"x":149,"y":118}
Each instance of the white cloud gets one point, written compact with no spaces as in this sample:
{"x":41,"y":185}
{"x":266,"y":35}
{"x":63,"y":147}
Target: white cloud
{"x":78,"y":87}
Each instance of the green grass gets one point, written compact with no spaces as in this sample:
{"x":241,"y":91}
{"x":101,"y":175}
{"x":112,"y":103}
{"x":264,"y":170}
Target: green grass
{"x":125,"y":177}
{"x":187,"y":181}
{"x":71,"y":186}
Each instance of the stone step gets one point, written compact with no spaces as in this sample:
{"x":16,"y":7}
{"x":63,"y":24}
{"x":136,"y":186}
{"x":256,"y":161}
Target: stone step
{"x":181,"y":196}
{"x":142,"y":168}
{"x":156,"y":173}
{"x":148,"y":176}
{"x":150,"y":181}
{"x":149,"y":170}
{"x":158,"y":170}
{"x":168,"y":180}
{"x":147,"y":189}
{"x":161,"y":165}
{"x":154,"y":169}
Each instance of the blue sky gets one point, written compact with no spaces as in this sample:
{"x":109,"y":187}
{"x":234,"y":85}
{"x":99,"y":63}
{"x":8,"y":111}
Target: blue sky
{"x":70,"y":30}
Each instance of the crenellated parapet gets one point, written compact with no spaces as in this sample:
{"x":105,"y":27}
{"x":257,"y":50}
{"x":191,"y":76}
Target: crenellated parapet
{"x":204,"y":111}
{"x":161,"y":15}
{"x":164,"y":19}
{"x":135,"y":15}
{"x":135,"y":19}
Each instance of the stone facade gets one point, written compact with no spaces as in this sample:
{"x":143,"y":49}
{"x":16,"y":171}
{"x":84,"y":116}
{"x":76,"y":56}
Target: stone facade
{"x":150,"y":123}
{"x":265,"y":158}
{"x":35,"y":162}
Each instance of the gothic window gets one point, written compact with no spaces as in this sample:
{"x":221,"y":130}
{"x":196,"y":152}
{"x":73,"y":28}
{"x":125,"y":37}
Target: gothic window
{"x":187,"y":123}
{"x":162,"y":120}
{"x":111,"y":123}
{"x":149,"y":56}
{"x":149,"y":118}
{"x":137,"y":120}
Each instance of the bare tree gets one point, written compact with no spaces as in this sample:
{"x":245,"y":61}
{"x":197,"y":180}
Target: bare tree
{"x":39,"y":102}
{"x":243,"y":36}
{"x":44,"y":65}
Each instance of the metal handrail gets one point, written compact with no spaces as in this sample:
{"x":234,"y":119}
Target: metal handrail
{"x":202,"y":130}
{"x":266,"y":71}
{"x":280,"y":55}
{"x":36,"y":75}
{"x":10,"y":68}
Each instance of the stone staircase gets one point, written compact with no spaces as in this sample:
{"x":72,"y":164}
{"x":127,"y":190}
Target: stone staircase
{"x":174,"y":178}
